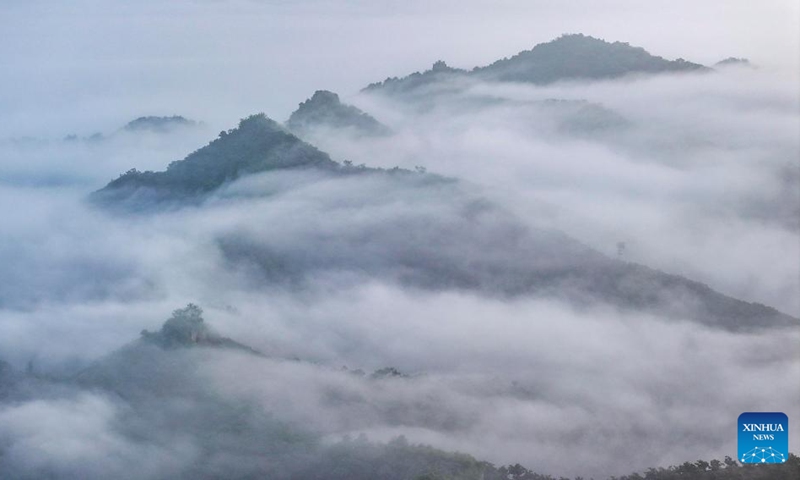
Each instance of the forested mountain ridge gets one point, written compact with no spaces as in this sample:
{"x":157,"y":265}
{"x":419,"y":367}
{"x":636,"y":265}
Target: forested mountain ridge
{"x":158,"y":124}
{"x":258,"y":144}
{"x":491,"y":252}
{"x":569,"y":57}
{"x":577,"y":57}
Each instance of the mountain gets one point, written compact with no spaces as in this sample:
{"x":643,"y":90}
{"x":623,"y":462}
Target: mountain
{"x":437,"y":74}
{"x":186,"y":328}
{"x":488,"y":258}
{"x":177,"y":395}
{"x":490,"y":252}
{"x":569,"y":57}
{"x":325,"y":110}
{"x":165,"y":382}
{"x":148,"y":124}
{"x":734,"y":62}
{"x":580,"y":57}
{"x":158,"y":124}
{"x":160,"y":362}
{"x":257,"y":145}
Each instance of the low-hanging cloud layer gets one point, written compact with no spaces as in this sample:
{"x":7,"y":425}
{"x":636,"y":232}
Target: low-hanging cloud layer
{"x":696,"y":174}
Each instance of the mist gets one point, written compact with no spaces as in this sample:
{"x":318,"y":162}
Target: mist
{"x":716,"y":201}
{"x":425,"y":293}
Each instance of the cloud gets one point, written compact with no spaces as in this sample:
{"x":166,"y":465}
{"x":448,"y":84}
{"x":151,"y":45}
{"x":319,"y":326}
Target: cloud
{"x":697,"y":182}
{"x":75,"y":437}
{"x":507,"y":381}
{"x":695,"y":177}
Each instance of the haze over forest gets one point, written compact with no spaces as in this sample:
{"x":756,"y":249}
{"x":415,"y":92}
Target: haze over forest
{"x":417,"y":240}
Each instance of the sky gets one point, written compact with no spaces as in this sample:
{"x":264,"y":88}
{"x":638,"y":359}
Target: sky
{"x":228,"y":59}
{"x":699,"y":179}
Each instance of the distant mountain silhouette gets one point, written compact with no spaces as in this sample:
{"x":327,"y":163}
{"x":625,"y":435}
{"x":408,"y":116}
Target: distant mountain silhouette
{"x":324,"y":109}
{"x":580,"y":57}
{"x":569,"y":57}
{"x":158,"y":124}
{"x":258,"y":144}
{"x":734,"y":62}
{"x":149,"y":124}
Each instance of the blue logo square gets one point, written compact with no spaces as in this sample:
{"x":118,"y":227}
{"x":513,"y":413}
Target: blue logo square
{"x":763,"y":437}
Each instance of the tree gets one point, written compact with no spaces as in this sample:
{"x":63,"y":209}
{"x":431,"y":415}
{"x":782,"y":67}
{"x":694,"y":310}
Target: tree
{"x":702,"y":465}
{"x":185,"y":326}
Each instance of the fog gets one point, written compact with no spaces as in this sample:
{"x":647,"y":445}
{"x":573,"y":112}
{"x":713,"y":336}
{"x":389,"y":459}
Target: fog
{"x":438,"y":275}
{"x":716,"y":200}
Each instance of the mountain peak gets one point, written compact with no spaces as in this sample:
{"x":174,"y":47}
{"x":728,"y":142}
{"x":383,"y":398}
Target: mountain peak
{"x":734,"y":62}
{"x":573,"y":56}
{"x":258,"y":144}
{"x":581,"y":57}
{"x":158,"y":124}
{"x":325,"y":97}
{"x":324,"y":109}
{"x":186,"y":328}
{"x":257,"y":123}
{"x":441,"y":66}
